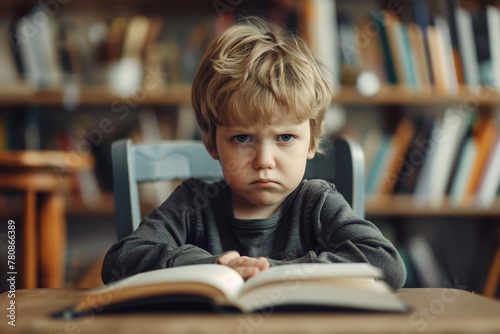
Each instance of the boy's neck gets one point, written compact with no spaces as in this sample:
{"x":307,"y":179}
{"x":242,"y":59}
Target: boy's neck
{"x":253,"y":215}
{"x":262,"y":212}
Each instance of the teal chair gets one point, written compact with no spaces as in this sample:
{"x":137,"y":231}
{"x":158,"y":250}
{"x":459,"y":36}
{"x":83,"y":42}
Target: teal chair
{"x":176,"y":160}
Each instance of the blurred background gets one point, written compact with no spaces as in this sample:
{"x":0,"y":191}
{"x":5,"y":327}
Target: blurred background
{"x":416,"y":84}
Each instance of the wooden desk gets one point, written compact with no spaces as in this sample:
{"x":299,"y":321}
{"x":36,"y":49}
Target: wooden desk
{"x":434,"y":311}
{"x":42,"y":178}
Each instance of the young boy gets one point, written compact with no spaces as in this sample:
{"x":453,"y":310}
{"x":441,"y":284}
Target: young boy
{"x":260,"y":98}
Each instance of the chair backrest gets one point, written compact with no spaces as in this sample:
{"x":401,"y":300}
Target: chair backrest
{"x":174,"y":160}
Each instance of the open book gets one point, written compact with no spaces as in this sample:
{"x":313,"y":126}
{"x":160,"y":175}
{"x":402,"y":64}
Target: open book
{"x":287,"y":287}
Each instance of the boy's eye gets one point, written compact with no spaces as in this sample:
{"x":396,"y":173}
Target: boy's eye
{"x":285,"y":137}
{"x":241,"y":138}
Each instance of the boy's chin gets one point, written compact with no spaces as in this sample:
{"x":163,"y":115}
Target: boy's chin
{"x":265,"y":201}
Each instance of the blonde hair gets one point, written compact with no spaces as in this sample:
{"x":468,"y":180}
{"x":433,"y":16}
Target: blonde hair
{"x":254,"y":69}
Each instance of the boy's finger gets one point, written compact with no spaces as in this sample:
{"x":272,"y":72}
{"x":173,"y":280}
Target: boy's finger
{"x":244,"y":261}
{"x":247,"y":272}
{"x":260,"y":262}
{"x":263,"y":263}
{"x":228,"y":257}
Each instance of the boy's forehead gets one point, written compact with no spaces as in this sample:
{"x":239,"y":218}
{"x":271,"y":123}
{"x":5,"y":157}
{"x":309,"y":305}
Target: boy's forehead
{"x":276,"y":123}
{"x":273,"y":117}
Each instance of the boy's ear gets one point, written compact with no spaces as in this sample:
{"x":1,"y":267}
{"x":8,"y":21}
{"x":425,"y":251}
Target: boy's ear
{"x":311,"y":154}
{"x":214,"y":154}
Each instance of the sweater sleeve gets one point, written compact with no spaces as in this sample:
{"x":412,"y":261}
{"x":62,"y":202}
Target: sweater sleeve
{"x":160,"y":241}
{"x":344,"y":237}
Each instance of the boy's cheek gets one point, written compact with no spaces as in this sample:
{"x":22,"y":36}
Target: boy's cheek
{"x":233,"y":168}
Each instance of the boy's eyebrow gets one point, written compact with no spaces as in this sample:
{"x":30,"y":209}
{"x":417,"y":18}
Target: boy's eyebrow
{"x":236,"y":129}
{"x":282,"y":129}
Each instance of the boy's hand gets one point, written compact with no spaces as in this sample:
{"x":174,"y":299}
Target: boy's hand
{"x":244,"y":265}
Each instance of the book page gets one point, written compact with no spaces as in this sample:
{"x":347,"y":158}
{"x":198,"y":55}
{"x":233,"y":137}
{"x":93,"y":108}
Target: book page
{"x":309,"y":271}
{"x":341,"y":293}
{"x":204,"y":279}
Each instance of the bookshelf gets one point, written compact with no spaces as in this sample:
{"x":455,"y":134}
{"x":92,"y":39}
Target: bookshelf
{"x":92,"y":96}
{"x":397,"y":95}
{"x":303,"y":16}
{"x":404,"y":89}
{"x":180,"y":94}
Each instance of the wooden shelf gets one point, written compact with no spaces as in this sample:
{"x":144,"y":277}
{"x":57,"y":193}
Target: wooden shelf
{"x":392,"y":206}
{"x":44,"y":159}
{"x":400,"y":95}
{"x":91,"y":96}
{"x":103,"y":95}
{"x":404,"y":206}
{"x":15,"y":94}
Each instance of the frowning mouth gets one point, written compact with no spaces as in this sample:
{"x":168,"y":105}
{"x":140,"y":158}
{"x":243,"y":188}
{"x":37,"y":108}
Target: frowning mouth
{"x":264,"y":183}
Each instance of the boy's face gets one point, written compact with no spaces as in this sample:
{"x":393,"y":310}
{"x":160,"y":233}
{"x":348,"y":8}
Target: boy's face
{"x":262,"y":163}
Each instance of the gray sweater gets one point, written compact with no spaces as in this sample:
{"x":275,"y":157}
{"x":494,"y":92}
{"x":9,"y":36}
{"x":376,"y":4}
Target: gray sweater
{"x":196,"y":225}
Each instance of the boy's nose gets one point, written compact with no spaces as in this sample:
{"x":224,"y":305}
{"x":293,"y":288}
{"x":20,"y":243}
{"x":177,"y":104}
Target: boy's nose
{"x":264,"y":158}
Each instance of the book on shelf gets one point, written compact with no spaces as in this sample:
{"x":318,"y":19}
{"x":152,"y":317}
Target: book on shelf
{"x":460,"y":166}
{"x":386,"y":152}
{"x":422,"y":184}
{"x":37,"y":44}
{"x":399,"y":48}
{"x":213,"y":287}
{"x":483,"y":53}
{"x":371,"y":141}
{"x":322,"y":33}
{"x":447,"y":55}
{"x":490,"y":180}
{"x":375,"y":179}
{"x":454,"y":126}
{"x":451,"y":9}
{"x":485,"y":132}
{"x":458,"y":183}
{"x":493,"y":18}
{"x":421,"y":17}
{"x":467,"y":47}
{"x":407,"y":54}
{"x":437,"y":51}
{"x":401,"y":140}
{"x":380,"y":21}
{"x":417,"y":42}
{"x":415,"y":156}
